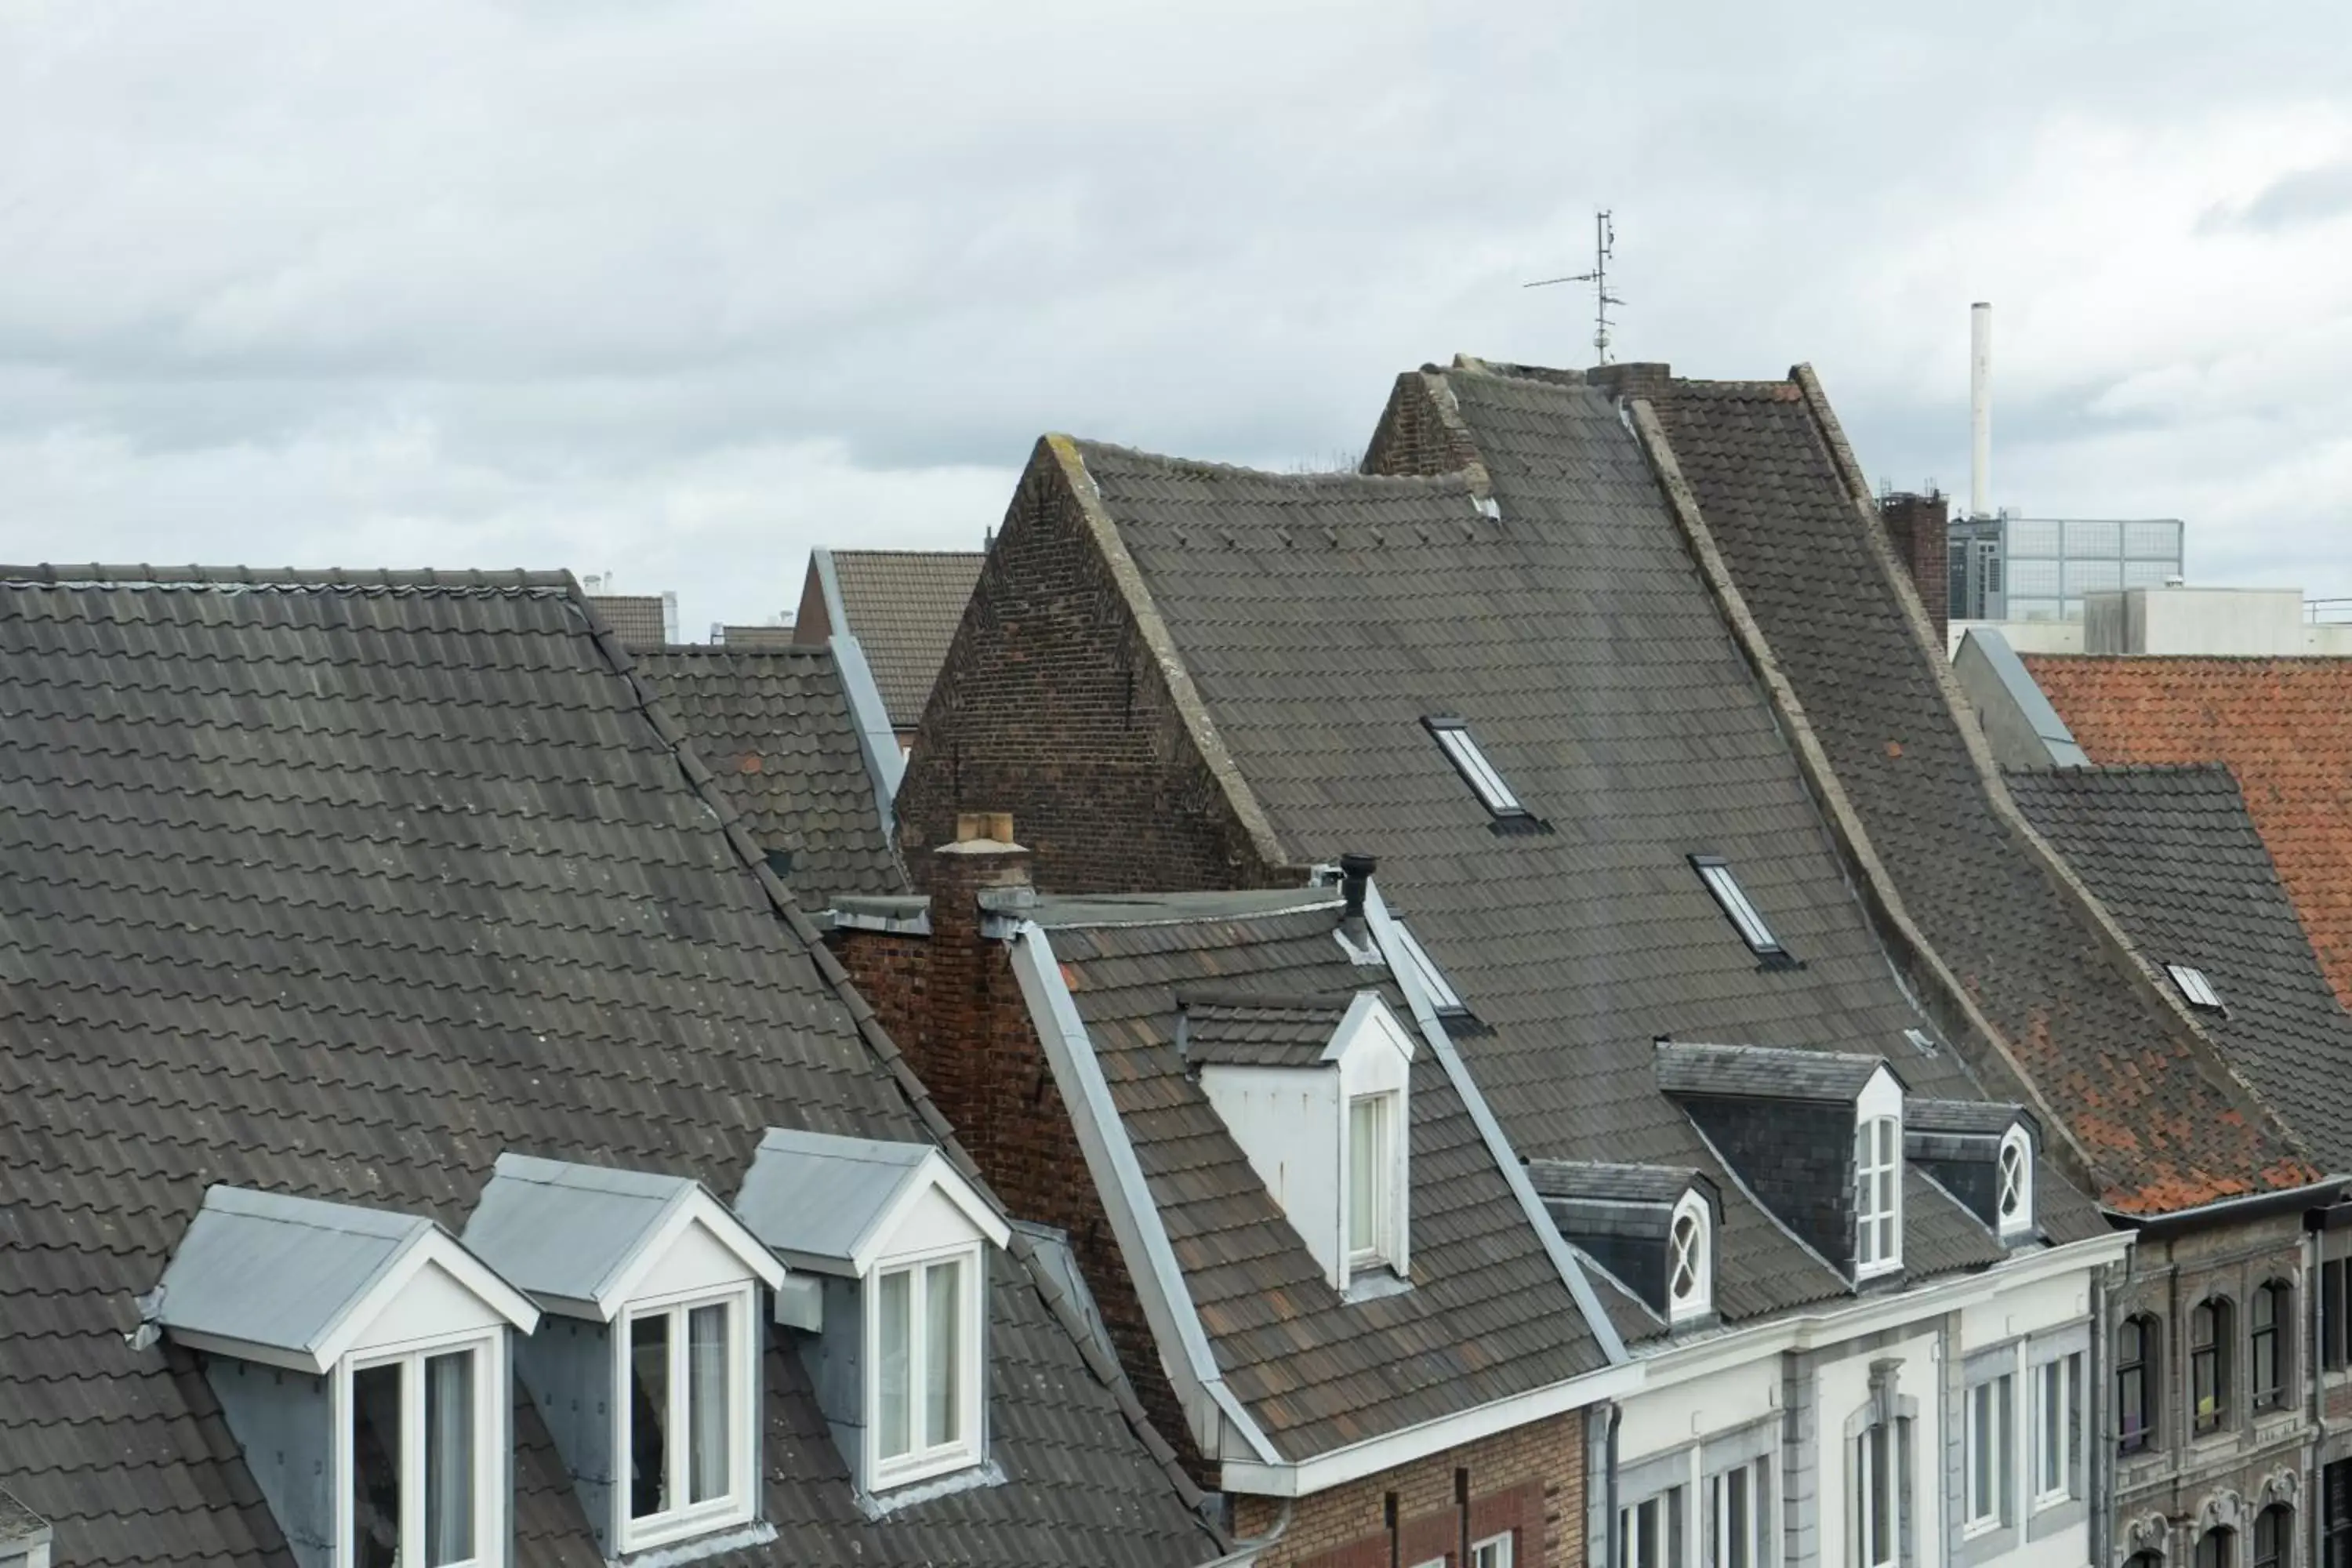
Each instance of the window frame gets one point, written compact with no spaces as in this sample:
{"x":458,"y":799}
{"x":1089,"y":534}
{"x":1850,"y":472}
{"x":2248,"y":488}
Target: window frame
{"x":1461,"y":748}
{"x":1443,"y":1000}
{"x":2146,"y":1369}
{"x":2196,"y":987}
{"x":2014,"y":1173}
{"x":2280,"y":1518}
{"x":1876,"y":1448}
{"x":2334,"y":1274}
{"x":1388,"y":1105}
{"x":2059,"y":1434}
{"x":1877,"y":1156}
{"x":493,"y":1402}
{"x":920,"y":1464}
{"x":1690,"y":1210}
{"x":1672,"y":1505}
{"x":1494,"y":1550}
{"x":2219,"y":1314}
{"x":1716,"y":1499}
{"x":1722,"y":884}
{"x":2278,"y":1298}
{"x":2225,"y":1556}
{"x":1993,"y":1398}
{"x":740,"y":1504}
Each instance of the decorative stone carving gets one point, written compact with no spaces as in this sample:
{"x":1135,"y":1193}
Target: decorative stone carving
{"x":2223,"y":1509}
{"x":2281,"y":1485}
{"x":2149,"y":1533}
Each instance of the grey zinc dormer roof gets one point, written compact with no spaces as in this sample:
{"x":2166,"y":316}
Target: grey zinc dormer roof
{"x":570,"y":1234}
{"x":1227,"y":1029}
{"x":818,"y":1199}
{"x":1763,"y":1072}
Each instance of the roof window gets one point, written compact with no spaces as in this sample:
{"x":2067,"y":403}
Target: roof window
{"x":2195,"y":989}
{"x":1690,"y":1278}
{"x":1460,"y":749}
{"x":1443,"y":998}
{"x":1878,"y":1178}
{"x":1650,"y":1227}
{"x":1717,"y":873}
{"x":2013,"y":1207}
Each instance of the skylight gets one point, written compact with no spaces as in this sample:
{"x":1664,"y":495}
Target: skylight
{"x":1453,"y":736}
{"x":2194,"y":987}
{"x":1442,"y":996}
{"x":1717,"y":874}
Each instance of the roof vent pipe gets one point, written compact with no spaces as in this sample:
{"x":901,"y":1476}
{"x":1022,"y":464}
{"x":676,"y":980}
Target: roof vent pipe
{"x":1981,"y":409}
{"x":1355,"y":873}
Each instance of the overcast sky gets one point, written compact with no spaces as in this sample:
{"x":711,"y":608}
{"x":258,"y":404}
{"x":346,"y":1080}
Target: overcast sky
{"x":677,"y":290}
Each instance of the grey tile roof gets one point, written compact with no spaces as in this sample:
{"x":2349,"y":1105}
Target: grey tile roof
{"x":2173,"y":853}
{"x":1754,"y":1072}
{"x":2149,"y":1104}
{"x":773,"y":726}
{"x":20,"y":1526}
{"x":753,"y":638}
{"x":903,"y":607}
{"x":1488,"y":1315}
{"x":1321,"y":618}
{"x":345,"y":888}
{"x":1237,"y":1030}
{"x":635,"y":618}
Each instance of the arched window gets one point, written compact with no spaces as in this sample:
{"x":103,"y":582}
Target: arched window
{"x":2016,"y":1201}
{"x":2218,"y":1549}
{"x":2266,"y":1341}
{"x":1690,"y":1274}
{"x":2274,"y":1530}
{"x":2210,"y":1347}
{"x":2137,"y":1347}
{"x":2144,"y":1559}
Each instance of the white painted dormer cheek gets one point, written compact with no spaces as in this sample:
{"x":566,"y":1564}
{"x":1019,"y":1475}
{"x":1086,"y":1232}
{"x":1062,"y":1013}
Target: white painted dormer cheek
{"x":1289,"y":1123}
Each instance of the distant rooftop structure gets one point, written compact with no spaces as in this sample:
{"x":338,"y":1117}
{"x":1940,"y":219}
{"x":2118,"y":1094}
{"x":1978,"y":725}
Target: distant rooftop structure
{"x":2010,"y":568}
{"x":643,"y":620}
{"x":903,"y":607}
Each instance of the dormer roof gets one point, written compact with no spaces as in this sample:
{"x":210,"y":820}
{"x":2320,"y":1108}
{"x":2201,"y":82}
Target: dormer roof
{"x":1762,"y":1072}
{"x":580,"y":1238}
{"x":832,"y":1203}
{"x":294,"y":1281}
{"x":1235,"y":1029}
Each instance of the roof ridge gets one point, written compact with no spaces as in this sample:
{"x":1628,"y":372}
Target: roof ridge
{"x":95,"y":574}
{"x":732,"y":650}
{"x":1335,"y":480}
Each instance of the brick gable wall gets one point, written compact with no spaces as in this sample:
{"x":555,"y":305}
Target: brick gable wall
{"x":1052,"y":706}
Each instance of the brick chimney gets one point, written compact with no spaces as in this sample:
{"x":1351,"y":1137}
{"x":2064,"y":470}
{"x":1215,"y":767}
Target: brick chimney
{"x":1635,"y":378}
{"x":1919,"y":526}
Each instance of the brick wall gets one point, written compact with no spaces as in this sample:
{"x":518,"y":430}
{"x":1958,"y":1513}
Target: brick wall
{"x":1528,"y":1481}
{"x":1411,"y":438}
{"x":1052,"y":706}
{"x":1920,"y":527}
{"x":953,"y":1005}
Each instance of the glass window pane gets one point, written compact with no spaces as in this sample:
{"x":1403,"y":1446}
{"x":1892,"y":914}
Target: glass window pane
{"x":1882,"y":1501}
{"x":2053,"y":1426}
{"x":1737,"y":1531}
{"x":1364,"y":1164}
{"x":707,"y":1415}
{"x":648,"y":1415}
{"x":942,"y":1353}
{"x":375,"y":1466}
{"x":894,"y":1426}
{"x":448,"y":1459}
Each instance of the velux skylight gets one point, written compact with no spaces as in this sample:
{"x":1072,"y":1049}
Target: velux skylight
{"x":2195,"y":988}
{"x":1460,"y":749}
{"x":1442,"y":996}
{"x":1717,"y":874}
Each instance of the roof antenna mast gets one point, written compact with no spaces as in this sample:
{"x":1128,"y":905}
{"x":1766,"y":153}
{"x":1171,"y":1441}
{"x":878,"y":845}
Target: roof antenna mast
{"x":1604,"y":246}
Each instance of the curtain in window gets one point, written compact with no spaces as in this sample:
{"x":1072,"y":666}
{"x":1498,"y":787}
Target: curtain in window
{"x":375,"y":1466}
{"x":1363,"y":1175}
{"x":448,"y":1459}
{"x":706,"y":1382}
{"x":648,"y":1415}
{"x":942,"y":1358}
{"x":894,"y":1426}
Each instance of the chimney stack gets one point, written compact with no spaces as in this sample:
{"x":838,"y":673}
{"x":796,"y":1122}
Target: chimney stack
{"x":1355,"y":876}
{"x":1981,"y":409}
{"x":1918,"y":525}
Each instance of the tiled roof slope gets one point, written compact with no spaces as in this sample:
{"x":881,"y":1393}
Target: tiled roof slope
{"x":343,"y":891}
{"x":2172,"y":852}
{"x":1489,"y":1316}
{"x":635,"y":618}
{"x":774,"y":725}
{"x":1322,"y":618}
{"x":2283,"y":726}
{"x":903,"y":607}
{"x":2152,"y":1105}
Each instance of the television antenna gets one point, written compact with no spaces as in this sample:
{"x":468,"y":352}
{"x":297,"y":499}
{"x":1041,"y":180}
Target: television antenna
{"x":1604,"y":246}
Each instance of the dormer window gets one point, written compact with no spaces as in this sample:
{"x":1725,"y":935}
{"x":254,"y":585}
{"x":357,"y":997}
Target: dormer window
{"x":2195,"y":988}
{"x":394,"y":1445}
{"x":1732,"y":898}
{"x":651,"y":1290}
{"x":1877,"y":1206}
{"x":1690,"y":1278}
{"x":901,"y":1243}
{"x":2014,"y":1206}
{"x":1312,"y":1089}
{"x":1460,"y":749}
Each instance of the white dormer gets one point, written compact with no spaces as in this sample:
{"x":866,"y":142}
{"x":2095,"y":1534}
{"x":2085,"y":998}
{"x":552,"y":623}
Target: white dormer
{"x":1315,"y":1091}
{"x":647,"y":1364}
{"x":903,"y":1243}
{"x":391,"y":1439}
{"x":1878,"y":1177}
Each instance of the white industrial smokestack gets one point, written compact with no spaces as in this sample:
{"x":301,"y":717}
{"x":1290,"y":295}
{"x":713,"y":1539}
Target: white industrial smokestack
{"x":1981,"y":409}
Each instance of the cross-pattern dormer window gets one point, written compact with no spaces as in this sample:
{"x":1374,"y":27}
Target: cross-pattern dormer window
{"x":1689,"y":1274}
{"x":1878,"y":1209}
{"x":1462,"y":749}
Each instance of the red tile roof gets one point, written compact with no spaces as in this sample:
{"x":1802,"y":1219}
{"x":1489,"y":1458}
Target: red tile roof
{"x":2283,"y":726}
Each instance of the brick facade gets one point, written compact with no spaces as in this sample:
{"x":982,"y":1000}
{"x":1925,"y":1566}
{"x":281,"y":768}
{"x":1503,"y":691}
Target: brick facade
{"x":1528,"y":1483}
{"x":1920,"y":527}
{"x":1058,"y":710}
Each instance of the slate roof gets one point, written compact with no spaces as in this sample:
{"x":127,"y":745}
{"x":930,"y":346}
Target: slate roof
{"x":1594,"y":1182}
{"x":635,"y":618}
{"x":2173,"y":852}
{"x":2150,"y":1103}
{"x":2283,"y":726}
{"x":1749,"y":1072}
{"x":773,"y":726}
{"x":1322,"y":618}
{"x":1985,"y":1118}
{"x":1488,"y":1315}
{"x":1238,"y":1030}
{"x":903,"y":607}
{"x":344,"y":888}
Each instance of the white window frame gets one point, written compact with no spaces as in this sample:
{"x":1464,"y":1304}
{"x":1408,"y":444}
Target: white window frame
{"x":1673,"y":1522}
{"x":1493,"y":1552}
{"x":1995,"y":1397}
{"x":1876,"y":1157}
{"x":1691,"y":1212}
{"x":1485,"y":781}
{"x":493,"y":1405}
{"x":2195,"y":988}
{"x":1863,"y":1458}
{"x":1722,"y":884}
{"x":1443,"y":998}
{"x":1759,"y":1472}
{"x":740,"y":1502}
{"x":1382,"y":1252}
{"x":918,"y":1463}
{"x":2064,"y":1438}
{"x":2015,"y":1179}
